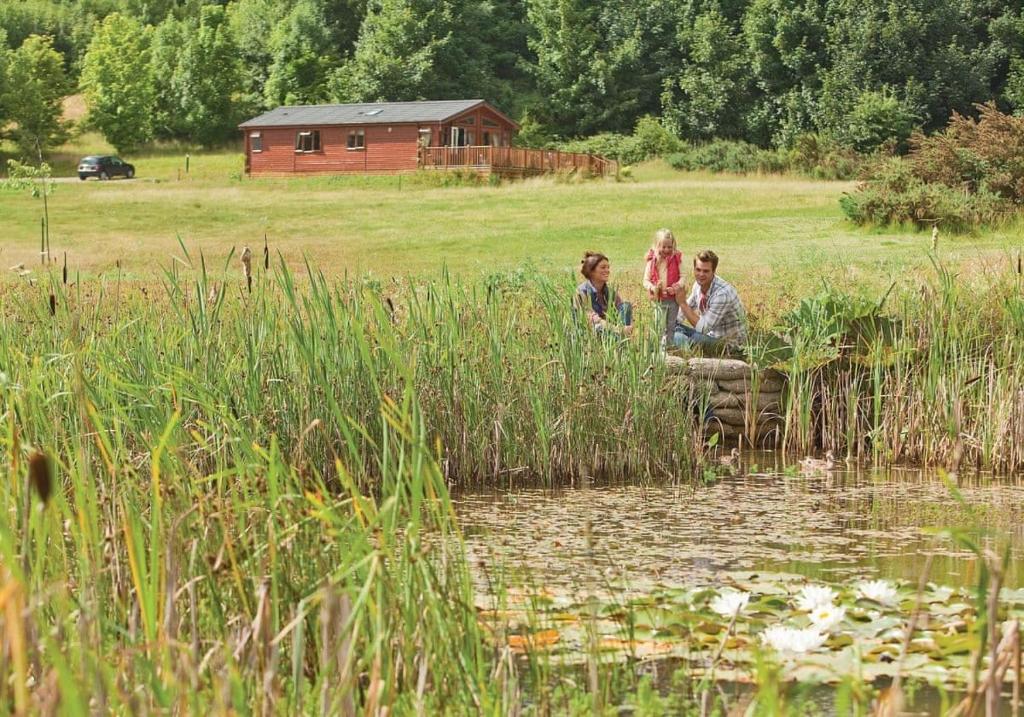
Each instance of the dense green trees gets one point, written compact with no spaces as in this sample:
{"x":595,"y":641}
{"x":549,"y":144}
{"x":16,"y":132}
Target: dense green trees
{"x":117,"y":81}
{"x":35,"y":87}
{"x":207,"y":80}
{"x":861,"y":73}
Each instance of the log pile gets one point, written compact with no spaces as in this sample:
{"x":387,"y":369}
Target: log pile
{"x":738,"y":400}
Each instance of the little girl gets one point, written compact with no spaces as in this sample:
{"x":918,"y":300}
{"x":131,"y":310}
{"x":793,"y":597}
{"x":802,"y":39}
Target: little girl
{"x":662,"y":279}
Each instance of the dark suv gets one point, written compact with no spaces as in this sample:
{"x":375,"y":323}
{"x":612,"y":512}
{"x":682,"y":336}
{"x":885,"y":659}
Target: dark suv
{"x":104,"y":167}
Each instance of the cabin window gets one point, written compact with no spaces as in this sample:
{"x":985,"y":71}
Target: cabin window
{"x":356,"y":139}
{"x":490,"y":123}
{"x":425,"y":136}
{"x":256,"y":141}
{"x":307,"y":141}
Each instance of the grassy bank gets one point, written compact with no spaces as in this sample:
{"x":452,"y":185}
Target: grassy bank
{"x":783,"y":232}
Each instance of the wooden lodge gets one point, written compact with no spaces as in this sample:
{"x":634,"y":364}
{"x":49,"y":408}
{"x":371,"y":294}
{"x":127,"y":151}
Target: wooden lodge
{"x":392,"y":137}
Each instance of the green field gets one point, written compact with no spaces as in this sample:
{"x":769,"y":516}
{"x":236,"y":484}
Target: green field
{"x":785,"y":232}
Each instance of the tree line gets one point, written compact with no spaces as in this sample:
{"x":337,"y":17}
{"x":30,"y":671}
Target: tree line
{"x":859,"y":72}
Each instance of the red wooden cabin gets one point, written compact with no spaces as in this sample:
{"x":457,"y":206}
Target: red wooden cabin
{"x":381,"y":137}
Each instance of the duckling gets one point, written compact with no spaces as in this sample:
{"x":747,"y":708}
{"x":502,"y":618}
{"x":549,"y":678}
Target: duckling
{"x":732,"y":460}
{"x":816,"y":465}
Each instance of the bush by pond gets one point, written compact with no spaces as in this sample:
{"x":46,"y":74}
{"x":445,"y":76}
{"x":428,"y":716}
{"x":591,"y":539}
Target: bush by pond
{"x":970,"y":175}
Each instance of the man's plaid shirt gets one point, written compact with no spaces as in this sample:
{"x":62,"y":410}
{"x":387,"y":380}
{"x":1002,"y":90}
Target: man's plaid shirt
{"x":721,"y":312}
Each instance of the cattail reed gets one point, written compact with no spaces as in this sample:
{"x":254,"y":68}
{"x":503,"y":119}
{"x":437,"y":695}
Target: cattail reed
{"x":53,"y":304}
{"x":247,"y":267}
{"x":39,"y":475}
{"x":266,"y":254}
{"x":65,"y":271}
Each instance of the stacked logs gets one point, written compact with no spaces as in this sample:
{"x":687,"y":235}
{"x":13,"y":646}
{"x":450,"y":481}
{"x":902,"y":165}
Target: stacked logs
{"x":738,"y":401}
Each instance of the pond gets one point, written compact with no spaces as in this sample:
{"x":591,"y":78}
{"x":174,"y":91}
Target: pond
{"x":822,"y":571}
{"x":851,"y":523}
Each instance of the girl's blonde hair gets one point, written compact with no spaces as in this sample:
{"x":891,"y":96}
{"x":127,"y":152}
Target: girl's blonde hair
{"x":664,"y":235}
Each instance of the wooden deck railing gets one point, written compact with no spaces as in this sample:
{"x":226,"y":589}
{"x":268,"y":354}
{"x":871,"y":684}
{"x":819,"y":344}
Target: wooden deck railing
{"x":513,"y":159}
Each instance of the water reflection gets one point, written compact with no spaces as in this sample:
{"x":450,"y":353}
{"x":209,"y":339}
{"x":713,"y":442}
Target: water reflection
{"x":851,"y":523}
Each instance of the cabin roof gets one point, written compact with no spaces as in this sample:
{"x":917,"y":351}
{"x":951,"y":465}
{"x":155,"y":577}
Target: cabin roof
{"x":365,"y":113}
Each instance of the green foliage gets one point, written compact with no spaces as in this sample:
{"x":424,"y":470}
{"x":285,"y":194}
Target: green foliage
{"x":301,"y":57}
{"x":399,"y":44}
{"x":969,"y":175}
{"x":584,"y":80}
{"x":533,"y":134}
{"x":207,"y":81}
{"x":824,"y":158}
{"x":165,"y":52}
{"x":415,"y":49}
{"x":786,"y":43}
{"x":729,"y":156}
{"x":4,"y":59}
{"x":895,"y":195}
{"x":708,"y":97}
{"x":877,"y":118}
{"x":22,"y":176}
{"x":35,"y":86}
{"x":252,"y":23}
{"x":649,"y":139}
{"x":834,"y":323}
{"x":117,"y":81}
{"x":934,"y":54}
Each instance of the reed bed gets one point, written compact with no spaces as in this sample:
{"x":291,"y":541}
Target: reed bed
{"x":224,"y":500}
{"x":944,"y":390}
{"x":508,"y":380}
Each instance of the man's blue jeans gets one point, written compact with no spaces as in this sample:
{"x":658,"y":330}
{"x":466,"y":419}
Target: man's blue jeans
{"x":687,"y":336}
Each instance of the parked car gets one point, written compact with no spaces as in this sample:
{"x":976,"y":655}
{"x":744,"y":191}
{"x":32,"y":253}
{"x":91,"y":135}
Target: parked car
{"x":104,"y":167}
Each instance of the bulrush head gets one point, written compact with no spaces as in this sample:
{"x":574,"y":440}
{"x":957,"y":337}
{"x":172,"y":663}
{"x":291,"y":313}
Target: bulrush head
{"x":39,"y":475}
{"x":247,"y":266}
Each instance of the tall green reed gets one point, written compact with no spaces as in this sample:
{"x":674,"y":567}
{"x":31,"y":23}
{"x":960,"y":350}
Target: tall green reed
{"x":934,"y":379}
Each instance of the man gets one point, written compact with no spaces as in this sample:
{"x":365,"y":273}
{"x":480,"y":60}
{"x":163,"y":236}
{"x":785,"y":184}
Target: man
{"x":713,"y":308}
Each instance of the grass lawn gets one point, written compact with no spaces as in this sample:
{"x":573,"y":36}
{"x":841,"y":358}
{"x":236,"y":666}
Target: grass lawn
{"x":783,"y":232}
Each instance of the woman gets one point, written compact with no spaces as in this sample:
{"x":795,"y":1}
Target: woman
{"x":594,"y":295}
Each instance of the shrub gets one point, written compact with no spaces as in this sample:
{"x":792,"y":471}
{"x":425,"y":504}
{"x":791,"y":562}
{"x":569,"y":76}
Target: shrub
{"x":620,"y":147}
{"x":970,"y":174}
{"x":878,"y":118}
{"x":973,"y":155}
{"x":895,"y":195}
{"x":730,"y":156}
{"x":649,"y":139}
{"x":824,"y":158}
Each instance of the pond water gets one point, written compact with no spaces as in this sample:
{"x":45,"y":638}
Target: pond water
{"x":852,"y":523}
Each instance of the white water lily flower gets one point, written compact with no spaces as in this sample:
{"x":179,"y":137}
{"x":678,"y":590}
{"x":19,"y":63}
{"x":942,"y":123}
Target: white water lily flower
{"x":811,"y":596}
{"x":826,"y":617}
{"x":791,"y":639}
{"x":730,"y":602}
{"x":881,"y":591}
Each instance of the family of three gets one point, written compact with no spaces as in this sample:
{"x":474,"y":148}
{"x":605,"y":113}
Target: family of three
{"x":712,"y":314}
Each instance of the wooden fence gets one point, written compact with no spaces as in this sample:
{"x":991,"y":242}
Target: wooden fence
{"x":513,"y":160}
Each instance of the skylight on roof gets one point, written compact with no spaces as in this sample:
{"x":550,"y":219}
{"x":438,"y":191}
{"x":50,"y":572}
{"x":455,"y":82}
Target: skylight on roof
{"x":371,"y":113}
